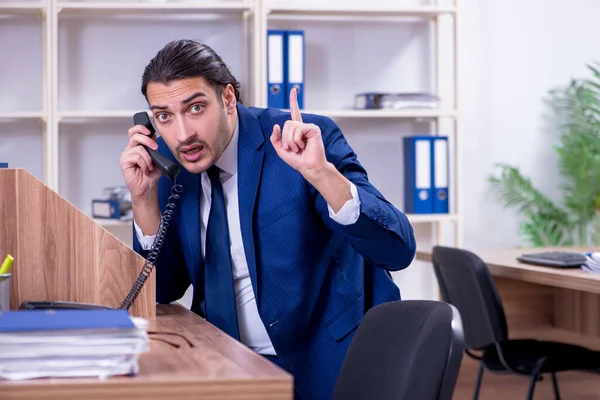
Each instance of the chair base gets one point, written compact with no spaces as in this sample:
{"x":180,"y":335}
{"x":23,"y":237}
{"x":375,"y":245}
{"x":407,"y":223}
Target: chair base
{"x":535,"y":377}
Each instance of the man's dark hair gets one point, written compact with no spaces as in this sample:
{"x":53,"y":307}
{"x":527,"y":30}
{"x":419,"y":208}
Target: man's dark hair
{"x":181,"y":59}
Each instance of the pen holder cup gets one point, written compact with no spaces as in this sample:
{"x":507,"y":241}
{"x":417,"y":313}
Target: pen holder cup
{"x":4,"y":292}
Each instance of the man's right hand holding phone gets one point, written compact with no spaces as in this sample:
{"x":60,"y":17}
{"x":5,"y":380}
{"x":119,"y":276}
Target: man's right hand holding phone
{"x":141,"y":177}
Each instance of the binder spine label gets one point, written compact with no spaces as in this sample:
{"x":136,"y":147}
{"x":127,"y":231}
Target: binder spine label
{"x":276,"y":81}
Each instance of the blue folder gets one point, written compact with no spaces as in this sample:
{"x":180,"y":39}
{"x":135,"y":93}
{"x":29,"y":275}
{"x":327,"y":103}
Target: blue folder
{"x":294,"y":66}
{"x":441,"y":174}
{"x":276,"y":69}
{"x":63,"y":320}
{"x":418,"y":175}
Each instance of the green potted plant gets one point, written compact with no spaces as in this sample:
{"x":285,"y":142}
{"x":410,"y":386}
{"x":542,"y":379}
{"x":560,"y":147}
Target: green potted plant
{"x":576,"y":219}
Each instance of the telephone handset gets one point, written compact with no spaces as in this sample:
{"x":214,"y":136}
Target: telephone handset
{"x":168,"y":167}
{"x":171,"y":170}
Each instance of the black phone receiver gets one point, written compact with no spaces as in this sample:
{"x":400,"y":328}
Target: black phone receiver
{"x":168,"y":167}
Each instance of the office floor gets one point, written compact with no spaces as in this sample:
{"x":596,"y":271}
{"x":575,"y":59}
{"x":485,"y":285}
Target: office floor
{"x":573,"y":385}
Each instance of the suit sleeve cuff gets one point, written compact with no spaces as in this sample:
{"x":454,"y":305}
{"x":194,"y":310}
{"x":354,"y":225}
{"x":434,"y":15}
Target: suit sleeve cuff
{"x":145,"y":241}
{"x":350,"y":212}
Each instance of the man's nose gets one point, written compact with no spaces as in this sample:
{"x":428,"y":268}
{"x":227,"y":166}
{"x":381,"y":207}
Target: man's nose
{"x":184,"y":131}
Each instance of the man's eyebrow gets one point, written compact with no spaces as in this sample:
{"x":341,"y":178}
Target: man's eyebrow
{"x":158,"y":107}
{"x":192,"y":97}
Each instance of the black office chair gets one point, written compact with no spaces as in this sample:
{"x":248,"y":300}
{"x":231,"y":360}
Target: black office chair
{"x":465,"y":282}
{"x":402,"y":350}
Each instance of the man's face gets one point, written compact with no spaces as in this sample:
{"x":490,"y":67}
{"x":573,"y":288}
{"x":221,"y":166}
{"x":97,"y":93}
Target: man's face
{"x":194,"y":121}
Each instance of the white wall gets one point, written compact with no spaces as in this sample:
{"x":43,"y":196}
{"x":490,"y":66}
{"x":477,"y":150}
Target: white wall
{"x":511,"y":52}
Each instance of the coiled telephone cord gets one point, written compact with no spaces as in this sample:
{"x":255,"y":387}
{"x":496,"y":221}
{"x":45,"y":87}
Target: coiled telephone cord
{"x":155,"y":248}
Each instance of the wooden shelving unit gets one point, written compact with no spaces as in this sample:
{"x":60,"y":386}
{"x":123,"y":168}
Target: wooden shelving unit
{"x":399,"y":13}
{"x":61,"y":111}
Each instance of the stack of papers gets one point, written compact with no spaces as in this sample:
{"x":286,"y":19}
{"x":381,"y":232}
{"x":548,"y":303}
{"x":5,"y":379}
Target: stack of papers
{"x":70,"y":343}
{"x":395,"y":101}
{"x":592,"y":263}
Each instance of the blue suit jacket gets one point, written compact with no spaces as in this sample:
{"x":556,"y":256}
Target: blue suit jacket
{"x":313,"y":278}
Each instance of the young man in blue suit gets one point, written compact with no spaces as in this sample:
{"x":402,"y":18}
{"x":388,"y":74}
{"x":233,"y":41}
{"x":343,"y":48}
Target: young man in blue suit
{"x":285,"y":241}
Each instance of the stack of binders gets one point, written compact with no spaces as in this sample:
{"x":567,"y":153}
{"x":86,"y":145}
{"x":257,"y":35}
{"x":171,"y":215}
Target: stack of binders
{"x":285,"y":67}
{"x":70,"y":343}
{"x":426,"y":176}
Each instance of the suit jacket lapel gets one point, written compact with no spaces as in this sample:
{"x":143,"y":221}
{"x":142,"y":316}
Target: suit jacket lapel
{"x":250,"y":163}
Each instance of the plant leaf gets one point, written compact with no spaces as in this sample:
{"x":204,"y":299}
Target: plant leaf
{"x":540,"y":230}
{"x":519,"y":193}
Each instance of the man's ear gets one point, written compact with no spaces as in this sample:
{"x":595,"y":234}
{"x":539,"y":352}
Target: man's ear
{"x":229,"y":99}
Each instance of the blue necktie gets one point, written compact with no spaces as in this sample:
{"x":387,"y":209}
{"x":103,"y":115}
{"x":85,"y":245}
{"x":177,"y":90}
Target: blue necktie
{"x":218,"y":283}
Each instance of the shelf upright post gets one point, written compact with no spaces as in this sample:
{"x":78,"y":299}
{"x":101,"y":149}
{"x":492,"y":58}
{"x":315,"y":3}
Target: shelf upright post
{"x":449,"y":101}
{"x":46,"y":161}
{"x":438,"y":75}
{"x":448,"y":98}
{"x":251,"y":56}
{"x":246,"y":53}
{"x":262,"y":23}
{"x":54,"y":135}
{"x":259,"y":51}
{"x":457,"y":163}
{"x":50,"y":145}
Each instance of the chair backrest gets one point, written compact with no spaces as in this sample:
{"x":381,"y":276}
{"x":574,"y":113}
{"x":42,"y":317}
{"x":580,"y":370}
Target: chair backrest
{"x":466,"y":283}
{"x":409,"y":349}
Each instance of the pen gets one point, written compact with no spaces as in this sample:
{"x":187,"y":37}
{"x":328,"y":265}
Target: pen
{"x":6,"y":264}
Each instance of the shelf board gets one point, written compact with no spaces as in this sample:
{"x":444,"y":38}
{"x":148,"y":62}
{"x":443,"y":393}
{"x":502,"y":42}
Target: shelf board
{"x":209,"y":7}
{"x":111,"y":222}
{"x":405,"y":113}
{"x":108,"y":114}
{"x":429,"y":218}
{"x":22,"y":115}
{"x":283,"y":11}
{"x":413,"y":218}
{"x":9,"y":8}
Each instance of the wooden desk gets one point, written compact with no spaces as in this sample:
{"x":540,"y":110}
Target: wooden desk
{"x":217,"y":367}
{"x":535,"y":296}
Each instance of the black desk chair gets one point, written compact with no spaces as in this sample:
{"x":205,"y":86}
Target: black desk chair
{"x":466,"y":283}
{"x":410,"y":349}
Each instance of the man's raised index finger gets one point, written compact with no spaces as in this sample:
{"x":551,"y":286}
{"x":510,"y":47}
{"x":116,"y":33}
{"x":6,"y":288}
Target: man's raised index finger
{"x":294,"y":109}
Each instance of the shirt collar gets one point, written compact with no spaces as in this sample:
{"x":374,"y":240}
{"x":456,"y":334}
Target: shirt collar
{"x":228,"y":160}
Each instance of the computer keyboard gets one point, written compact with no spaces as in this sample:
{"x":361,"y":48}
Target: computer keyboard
{"x":557,"y":259}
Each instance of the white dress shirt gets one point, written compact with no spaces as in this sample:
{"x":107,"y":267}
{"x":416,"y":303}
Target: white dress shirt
{"x":251,"y":328}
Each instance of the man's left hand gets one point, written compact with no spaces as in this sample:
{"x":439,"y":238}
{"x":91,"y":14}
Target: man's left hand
{"x":300,"y":145}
